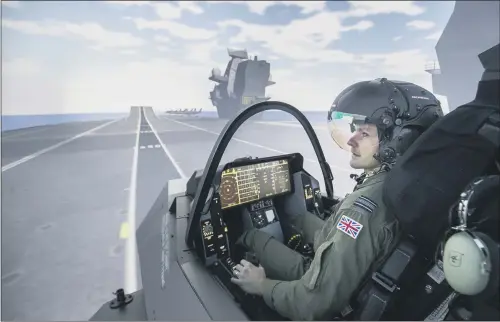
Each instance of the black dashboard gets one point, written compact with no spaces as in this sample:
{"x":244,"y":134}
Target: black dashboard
{"x":250,"y":183}
{"x":243,"y":197}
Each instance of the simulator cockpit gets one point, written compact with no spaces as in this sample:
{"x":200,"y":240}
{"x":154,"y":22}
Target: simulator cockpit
{"x":187,"y":243}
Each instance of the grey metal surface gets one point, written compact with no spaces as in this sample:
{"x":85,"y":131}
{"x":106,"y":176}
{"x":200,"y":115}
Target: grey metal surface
{"x":219,"y":304}
{"x":474,"y":26}
{"x":175,"y":300}
{"x":134,"y":311}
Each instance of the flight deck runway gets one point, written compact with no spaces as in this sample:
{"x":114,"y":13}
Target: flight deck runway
{"x":73,"y":195}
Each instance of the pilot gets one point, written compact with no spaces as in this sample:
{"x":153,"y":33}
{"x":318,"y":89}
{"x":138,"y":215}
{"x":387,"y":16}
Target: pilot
{"x":376,"y":121}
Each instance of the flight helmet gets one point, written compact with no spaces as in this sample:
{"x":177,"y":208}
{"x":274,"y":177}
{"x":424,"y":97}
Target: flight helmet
{"x":401,"y":111}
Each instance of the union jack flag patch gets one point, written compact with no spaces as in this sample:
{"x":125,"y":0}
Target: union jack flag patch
{"x":349,"y":226}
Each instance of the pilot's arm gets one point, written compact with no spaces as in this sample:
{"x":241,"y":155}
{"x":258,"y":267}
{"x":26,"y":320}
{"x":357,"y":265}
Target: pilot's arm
{"x":309,"y":224}
{"x":338,"y":268}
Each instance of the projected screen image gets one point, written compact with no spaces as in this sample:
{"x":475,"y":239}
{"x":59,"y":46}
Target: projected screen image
{"x":241,"y":185}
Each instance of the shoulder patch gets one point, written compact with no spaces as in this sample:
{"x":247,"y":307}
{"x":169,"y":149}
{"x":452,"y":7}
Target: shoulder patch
{"x":349,"y":226}
{"x":366,"y":204}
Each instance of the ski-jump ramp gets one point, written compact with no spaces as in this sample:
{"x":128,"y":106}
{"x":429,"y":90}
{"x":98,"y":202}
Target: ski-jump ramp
{"x":136,"y":110}
{"x":149,"y":112}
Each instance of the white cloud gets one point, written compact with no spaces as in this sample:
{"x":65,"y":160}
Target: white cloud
{"x":163,"y":48}
{"x":435,"y":35}
{"x":181,"y":80}
{"x":302,"y":39}
{"x":308,"y":94}
{"x":130,"y":3}
{"x":358,"y":8}
{"x":90,"y":31}
{"x":420,"y":25}
{"x":360,"y":26}
{"x":25,"y":89}
{"x":397,"y":38}
{"x":406,"y":63}
{"x":129,"y":52}
{"x":11,"y":4}
{"x":201,"y":53}
{"x":167,"y":83}
{"x":174,"y":28}
{"x":369,"y":8}
{"x":165,"y":10}
{"x":307,"y":38}
{"x":260,"y":7}
{"x":191,"y":6}
{"x":162,"y":83}
{"x":20,"y":67}
{"x":162,"y":39}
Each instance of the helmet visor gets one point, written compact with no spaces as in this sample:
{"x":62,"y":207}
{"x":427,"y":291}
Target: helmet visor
{"x":352,"y":132}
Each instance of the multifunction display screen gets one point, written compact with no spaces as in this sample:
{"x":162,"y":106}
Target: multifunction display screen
{"x":241,"y":185}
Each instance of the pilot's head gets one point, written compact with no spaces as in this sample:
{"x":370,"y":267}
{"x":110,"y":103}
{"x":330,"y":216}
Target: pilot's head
{"x":364,"y":145}
{"x":376,"y":121}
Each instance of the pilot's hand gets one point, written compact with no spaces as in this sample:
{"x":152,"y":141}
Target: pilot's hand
{"x":249,"y":277}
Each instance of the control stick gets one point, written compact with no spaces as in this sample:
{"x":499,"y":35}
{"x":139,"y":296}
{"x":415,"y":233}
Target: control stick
{"x":252,"y":258}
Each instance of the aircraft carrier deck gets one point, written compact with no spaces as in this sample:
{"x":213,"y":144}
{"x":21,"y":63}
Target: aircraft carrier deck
{"x":73,"y":195}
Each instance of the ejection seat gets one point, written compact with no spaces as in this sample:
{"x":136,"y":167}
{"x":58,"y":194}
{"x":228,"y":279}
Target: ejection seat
{"x":420,"y":190}
{"x":387,"y":291}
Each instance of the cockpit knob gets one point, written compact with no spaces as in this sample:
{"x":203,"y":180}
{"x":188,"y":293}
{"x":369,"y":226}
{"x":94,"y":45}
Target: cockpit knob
{"x":121,"y":299}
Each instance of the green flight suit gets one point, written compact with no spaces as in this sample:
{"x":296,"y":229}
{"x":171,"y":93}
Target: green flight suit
{"x":303,"y":290}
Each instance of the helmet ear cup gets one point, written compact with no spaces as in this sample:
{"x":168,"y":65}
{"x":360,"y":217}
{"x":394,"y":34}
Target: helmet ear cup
{"x":468,"y":264}
{"x":397,"y":143}
{"x":494,"y":252}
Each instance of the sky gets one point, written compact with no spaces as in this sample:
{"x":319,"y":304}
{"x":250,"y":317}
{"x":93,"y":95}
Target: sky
{"x":104,"y":56}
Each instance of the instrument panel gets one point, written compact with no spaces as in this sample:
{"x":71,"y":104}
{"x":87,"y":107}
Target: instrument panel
{"x":249,"y":183}
{"x":214,"y":245}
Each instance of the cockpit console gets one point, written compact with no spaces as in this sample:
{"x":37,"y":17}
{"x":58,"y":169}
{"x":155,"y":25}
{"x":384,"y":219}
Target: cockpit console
{"x":263,"y":194}
{"x":247,"y":189}
{"x":248,"y":194}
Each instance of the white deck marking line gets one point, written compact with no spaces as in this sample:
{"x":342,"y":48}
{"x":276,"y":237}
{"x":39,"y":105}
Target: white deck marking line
{"x":130,"y":245}
{"x":255,"y":144}
{"x":55,"y":146}
{"x":167,"y":152}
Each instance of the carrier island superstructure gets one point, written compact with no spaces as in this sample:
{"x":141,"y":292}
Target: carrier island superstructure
{"x":243,"y":83}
